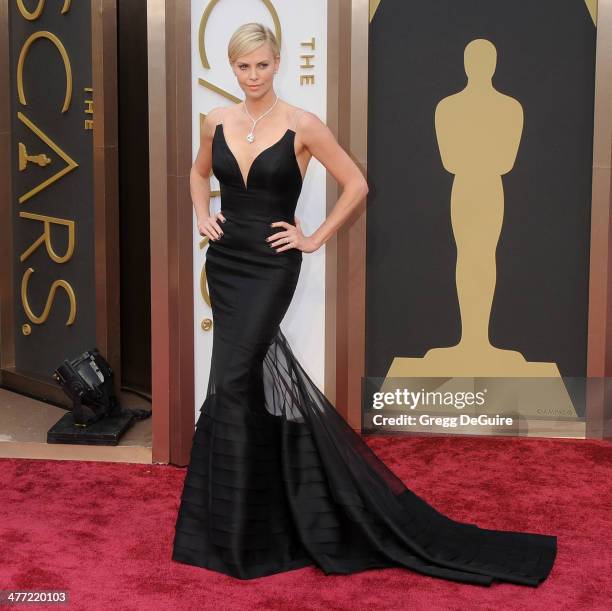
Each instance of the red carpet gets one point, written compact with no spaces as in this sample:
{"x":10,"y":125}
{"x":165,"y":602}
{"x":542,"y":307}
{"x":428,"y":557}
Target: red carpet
{"x":103,"y":531}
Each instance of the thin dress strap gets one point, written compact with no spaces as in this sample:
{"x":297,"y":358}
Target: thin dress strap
{"x":296,"y":117}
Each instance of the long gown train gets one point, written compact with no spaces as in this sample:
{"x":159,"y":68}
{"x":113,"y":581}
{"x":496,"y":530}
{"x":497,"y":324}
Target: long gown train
{"x":277,"y":479}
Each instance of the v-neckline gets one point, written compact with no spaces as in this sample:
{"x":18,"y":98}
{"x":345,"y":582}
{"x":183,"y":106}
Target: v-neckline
{"x":245,"y":184}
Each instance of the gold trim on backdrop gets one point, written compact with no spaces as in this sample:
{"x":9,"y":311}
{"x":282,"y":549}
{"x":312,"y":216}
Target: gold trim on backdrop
{"x":592,"y":6}
{"x":45,"y":237}
{"x":39,"y":320}
{"x":374,"y":4}
{"x":35,"y":14}
{"x":216,"y":89}
{"x":64,"y":55}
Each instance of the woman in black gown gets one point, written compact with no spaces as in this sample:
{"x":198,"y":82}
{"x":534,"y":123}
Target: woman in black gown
{"x":277,"y":479}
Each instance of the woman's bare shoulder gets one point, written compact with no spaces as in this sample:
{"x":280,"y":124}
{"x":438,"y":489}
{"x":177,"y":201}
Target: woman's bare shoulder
{"x":309,"y":123}
{"x":298,"y":111}
{"x":304,"y":119}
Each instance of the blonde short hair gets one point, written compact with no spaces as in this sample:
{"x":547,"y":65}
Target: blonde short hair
{"x":249,"y":37}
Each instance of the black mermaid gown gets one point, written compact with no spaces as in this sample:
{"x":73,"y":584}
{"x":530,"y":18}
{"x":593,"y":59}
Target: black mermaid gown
{"x":277,"y":479}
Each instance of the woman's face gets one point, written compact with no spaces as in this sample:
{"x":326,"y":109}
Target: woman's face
{"x":255,"y":71}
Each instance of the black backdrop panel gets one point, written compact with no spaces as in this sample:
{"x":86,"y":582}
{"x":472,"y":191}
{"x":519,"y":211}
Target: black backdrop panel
{"x":546,"y":55}
{"x":69,"y":198}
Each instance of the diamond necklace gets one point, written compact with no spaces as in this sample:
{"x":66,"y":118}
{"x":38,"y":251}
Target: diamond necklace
{"x":251,"y":136}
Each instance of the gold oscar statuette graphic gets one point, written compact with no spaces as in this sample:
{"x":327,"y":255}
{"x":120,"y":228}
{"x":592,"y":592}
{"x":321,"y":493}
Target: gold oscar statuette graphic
{"x":71,"y":164}
{"x":479,"y":131}
{"x":41,"y":159}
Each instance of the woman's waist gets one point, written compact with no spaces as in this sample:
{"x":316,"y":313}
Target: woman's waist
{"x":244,"y":213}
{"x":250,"y":233}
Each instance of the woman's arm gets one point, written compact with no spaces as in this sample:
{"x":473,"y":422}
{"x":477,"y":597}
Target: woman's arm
{"x":199,"y":179}
{"x":322,"y":144}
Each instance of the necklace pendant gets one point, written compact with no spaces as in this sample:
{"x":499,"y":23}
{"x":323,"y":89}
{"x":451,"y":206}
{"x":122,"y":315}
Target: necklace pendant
{"x":250,"y":137}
